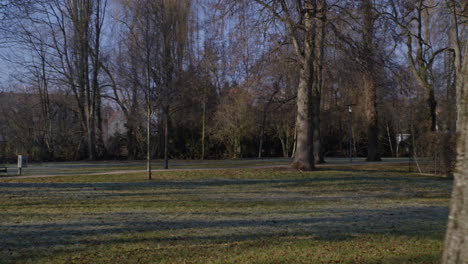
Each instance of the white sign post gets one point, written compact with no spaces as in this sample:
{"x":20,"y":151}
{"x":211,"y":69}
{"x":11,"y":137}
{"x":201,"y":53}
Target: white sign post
{"x":22,"y":163}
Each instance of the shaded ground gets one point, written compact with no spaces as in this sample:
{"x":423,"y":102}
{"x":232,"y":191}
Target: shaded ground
{"x":358,"y":214}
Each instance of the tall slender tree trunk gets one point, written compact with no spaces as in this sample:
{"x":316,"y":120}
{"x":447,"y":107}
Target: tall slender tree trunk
{"x":370,"y":88}
{"x":95,"y":54}
{"x":149,"y":106}
{"x":85,"y":85}
{"x":390,"y":142}
{"x":456,"y":239}
{"x":166,"y":138}
{"x":372,"y":126}
{"x":45,"y":103}
{"x":317,"y":145}
{"x":262,"y":132}
{"x":432,"y":103}
{"x":293,"y":153}
{"x":260,"y":144}
{"x":202,"y":157}
{"x":319,"y":41}
{"x":131,"y":141}
{"x":283,"y":147}
{"x":81,"y":17}
{"x":148,"y":136}
{"x":451,"y":64}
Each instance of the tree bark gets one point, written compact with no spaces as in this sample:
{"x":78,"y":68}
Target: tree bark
{"x":148,"y":135}
{"x":371,"y":115}
{"x":432,"y":103}
{"x":370,"y":88}
{"x":303,"y":156}
{"x":293,"y":153}
{"x":166,"y":138}
{"x":424,"y":66}
{"x":202,"y":157}
{"x":319,"y":41}
{"x":262,"y":131}
{"x":96,"y":63}
{"x":317,"y":150}
{"x":456,"y":239}
{"x":283,"y":148}
{"x":131,"y":141}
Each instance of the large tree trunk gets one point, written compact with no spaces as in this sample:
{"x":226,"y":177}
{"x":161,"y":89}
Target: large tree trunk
{"x":319,"y":40}
{"x":371,"y":115}
{"x":370,"y":89}
{"x":303,"y":156}
{"x":456,"y":240}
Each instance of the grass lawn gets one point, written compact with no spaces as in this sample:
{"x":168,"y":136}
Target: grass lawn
{"x":87,"y":167}
{"x":352,"y":214}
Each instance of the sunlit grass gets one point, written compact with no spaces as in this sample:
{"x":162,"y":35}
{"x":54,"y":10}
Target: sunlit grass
{"x":356,"y":214}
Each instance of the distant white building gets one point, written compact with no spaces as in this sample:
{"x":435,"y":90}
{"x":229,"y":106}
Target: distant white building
{"x":400,"y":137}
{"x":115,"y":125}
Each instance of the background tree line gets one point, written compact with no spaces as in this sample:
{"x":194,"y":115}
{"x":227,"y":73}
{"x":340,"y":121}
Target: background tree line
{"x":229,"y":79}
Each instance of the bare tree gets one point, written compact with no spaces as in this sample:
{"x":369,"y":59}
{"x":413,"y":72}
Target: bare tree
{"x":233,"y":123}
{"x":65,"y":39}
{"x":174,"y":31}
{"x":141,"y":33}
{"x":300,"y":19}
{"x":414,"y":20}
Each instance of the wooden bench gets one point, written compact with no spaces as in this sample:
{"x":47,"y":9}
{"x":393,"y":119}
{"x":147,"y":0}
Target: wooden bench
{"x":4,"y":169}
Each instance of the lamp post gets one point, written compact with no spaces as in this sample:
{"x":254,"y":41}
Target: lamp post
{"x":350,"y":111}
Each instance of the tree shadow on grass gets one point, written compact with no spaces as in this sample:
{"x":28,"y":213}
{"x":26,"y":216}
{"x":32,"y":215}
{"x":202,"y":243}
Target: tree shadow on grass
{"x":84,"y":232}
{"x":379,"y":171}
{"x":343,"y":176}
{"x":118,"y":228}
{"x":273,"y":190}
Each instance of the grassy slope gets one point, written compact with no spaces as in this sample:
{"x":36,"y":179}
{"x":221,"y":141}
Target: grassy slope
{"x":345,"y":215}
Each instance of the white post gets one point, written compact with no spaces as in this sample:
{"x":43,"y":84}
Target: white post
{"x":22,"y":163}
